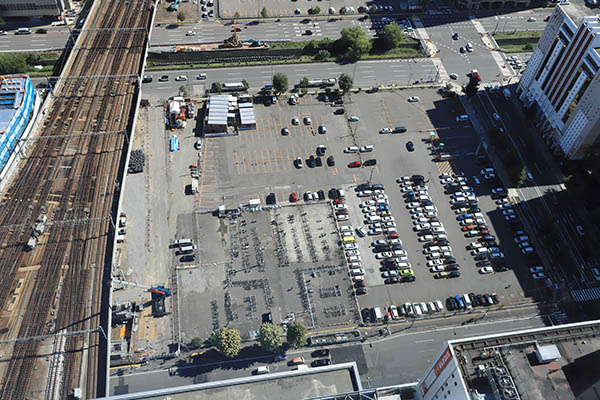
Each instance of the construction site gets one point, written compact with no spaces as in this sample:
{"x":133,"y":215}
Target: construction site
{"x":58,"y":214}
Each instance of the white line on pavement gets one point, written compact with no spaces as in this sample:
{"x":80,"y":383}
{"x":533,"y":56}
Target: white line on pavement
{"x":424,"y":341}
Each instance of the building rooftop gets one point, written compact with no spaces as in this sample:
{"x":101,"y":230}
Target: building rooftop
{"x":577,"y":10}
{"x":547,"y":363}
{"x":296,"y":384}
{"x":12,"y":91}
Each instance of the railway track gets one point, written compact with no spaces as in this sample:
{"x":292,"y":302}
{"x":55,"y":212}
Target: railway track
{"x":71,"y":177}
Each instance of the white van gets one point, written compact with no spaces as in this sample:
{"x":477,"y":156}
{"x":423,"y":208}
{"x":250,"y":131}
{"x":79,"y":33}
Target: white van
{"x":357,"y":272}
{"x":374,"y":218}
{"x":467,"y":301}
{"x":187,"y":249}
{"x":346,"y":228}
{"x":262,"y":370}
{"x":182,"y":242}
{"x":378,"y":316}
{"x":353,"y":259}
{"x":22,"y":31}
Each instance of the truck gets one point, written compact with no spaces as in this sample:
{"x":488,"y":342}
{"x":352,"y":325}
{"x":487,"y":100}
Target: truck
{"x":318,"y":82}
{"x":231,"y":87}
{"x":377,"y":315}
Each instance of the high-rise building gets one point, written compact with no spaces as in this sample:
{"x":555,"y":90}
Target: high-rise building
{"x":31,"y":8}
{"x":562,"y":80}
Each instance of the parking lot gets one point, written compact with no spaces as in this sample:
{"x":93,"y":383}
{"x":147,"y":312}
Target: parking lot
{"x":286,"y":262}
{"x":263,"y":161}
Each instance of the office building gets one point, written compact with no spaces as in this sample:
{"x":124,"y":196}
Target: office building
{"x":31,"y":8}
{"x":496,"y":4}
{"x":557,"y":362}
{"x":562,"y":80}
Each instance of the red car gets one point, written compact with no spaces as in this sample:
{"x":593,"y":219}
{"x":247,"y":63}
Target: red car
{"x":484,"y":232}
{"x":467,"y":228}
{"x":293,"y":197}
{"x":354,"y":164}
{"x":393,"y":235}
{"x":338,"y":201}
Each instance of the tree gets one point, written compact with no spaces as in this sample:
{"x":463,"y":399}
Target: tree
{"x":217,"y":87}
{"x":296,"y":334}
{"x":195,"y":343}
{"x":522,"y":177}
{"x":345,"y":83}
{"x":228,"y":341}
{"x":528,"y":46}
{"x":473,"y":84}
{"x":245,"y":84}
{"x":271,"y":337}
{"x":304,"y":82}
{"x":280,"y":82}
{"x":392,"y":36}
{"x":356,"y":42}
{"x":12,"y":63}
{"x":372,"y":9}
{"x":236,"y":15}
{"x":181,"y":16}
{"x":263,"y":12}
{"x":316,"y":10}
{"x":182,"y":88}
{"x":2,"y":22}
{"x":323,"y":55}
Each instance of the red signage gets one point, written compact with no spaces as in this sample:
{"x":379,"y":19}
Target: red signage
{"x":442,"y":362}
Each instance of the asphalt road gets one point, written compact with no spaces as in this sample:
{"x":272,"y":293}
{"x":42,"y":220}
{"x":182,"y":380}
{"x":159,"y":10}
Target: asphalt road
{"x":365,"y":73}
{"x":56,"y":38}
{"x":382,"y":361}
{"x":539,"y":205}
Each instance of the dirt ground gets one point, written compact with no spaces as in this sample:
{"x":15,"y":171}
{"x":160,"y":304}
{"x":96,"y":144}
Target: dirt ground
{"x":163,"y":16}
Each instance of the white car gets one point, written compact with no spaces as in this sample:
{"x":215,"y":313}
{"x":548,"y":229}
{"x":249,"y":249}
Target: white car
{"x":434,"y":255}
{"x":486,"y":270}
{"x":438,"y":230}
{"x":538,"y":275}
{"x":374,"y":232}
{"x":389,"y":224}
{"x":388,"y":219}
{"x":402,"y":179}
{"x":181,"y":78}
{"x":433,"y":263}
{"x":346,"y":228}
{"x":481,"y":250}
{"x":360,"y":231}
{"x":396,"y":241}
{"x":421,"y":227}
{"x":350,"y":246}
{"x":418,"y":221}
{"x":413,"y":99}
{"x":350,"y":253}
{"x":367,"y":203}
{"x":378,"y":242}
{"x":520,"y":239}
{"x":496,"y":116}
{"x":431,"y":214}
{"x":453,"y":76}
{"x":416,"y":211}
{"x":366,"y":149}
{"x":476,"y":180}
{"x":414,"y":204}
{"x":369,"y":209}
{"x":351,"y":149}
{"x":385,"y":131}
{"x":437,"y":225}
{"x":364,"y":193}
{"x":383,"y":255}
{"x":342,"y":217}
{"x":436,"y":268}
{"x":419,"y":216}
{"x":190,"y":33}
{"x":426,"y":238}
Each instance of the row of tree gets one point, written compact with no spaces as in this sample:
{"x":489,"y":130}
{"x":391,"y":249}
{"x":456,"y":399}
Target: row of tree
{"x":228,"y":341}
{"x":280,"y":82}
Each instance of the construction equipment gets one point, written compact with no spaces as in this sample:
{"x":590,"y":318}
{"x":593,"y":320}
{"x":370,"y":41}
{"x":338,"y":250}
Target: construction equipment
{"x":231,"y":41}
{"x":159,"y":293}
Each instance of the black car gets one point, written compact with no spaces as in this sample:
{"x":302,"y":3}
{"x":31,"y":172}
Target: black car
{"x":330,"y":161}
{"x":271,"y":199}
{"x":410,"y":146}
{"x":452,"y":267}
{"x":381,"y":247}
{"x":454,"y":274}
{"x":361,"y":291}
{"x":480,"y":257}
{"x":417,"y":178}
{"x":443,"y":242}
{"x":396,"y":246}
{"x":370,"y":162}
{"x":485,"y":263}
{"x":321,"y":194}
{"x":455,"y":36}
{"x":318,"y":161}
{"x":362,"y":187}
{"x":377,"y":186}
{"x":474,"y":210}
{"x":474,"y":300}
{"x":451,"y":304}
{"x":42,"y":30}
{"x":320,"y":353}
{"x":488,"y":299}
{"x":499,"y":195}
{"x":321,"y":362}
{"x":408,"y":279}
{"x":267,"y":318}
{"x":366,"y":314}
{"x":333,"y":193}
{"x":494,"y":297}
{"x":310,"y":161}
{"x":426,"y":202}
{"x":188,"y":258}
{"x":391,"y":281}
{"x":339,"y":111}
{"x":450,"y":260}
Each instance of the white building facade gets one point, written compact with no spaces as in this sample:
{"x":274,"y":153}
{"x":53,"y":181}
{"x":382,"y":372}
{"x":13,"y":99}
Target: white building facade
{"x":31,"y":8}
{"x":562,"y":80}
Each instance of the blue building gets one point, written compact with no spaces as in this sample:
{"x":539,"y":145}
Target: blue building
{"x":17,"y":103}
